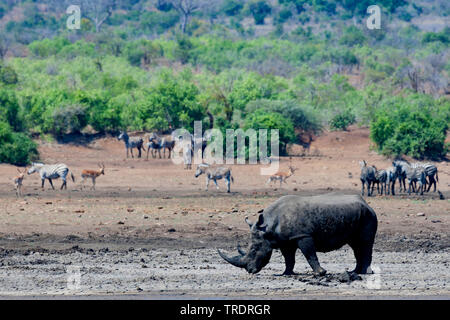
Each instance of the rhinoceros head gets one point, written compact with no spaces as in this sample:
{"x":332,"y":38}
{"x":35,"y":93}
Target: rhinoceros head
{"x":259,"y":251}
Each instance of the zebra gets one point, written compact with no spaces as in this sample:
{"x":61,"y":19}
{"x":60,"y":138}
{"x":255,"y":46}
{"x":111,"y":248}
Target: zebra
{"x":416,"y":174}
{"x":430,"y":171}
{"x":51,"y":171}
{"x":215,"y":174}
{"x":131,"y":143}
{"x":154,"y":144}
{"x":367,"y":177}
{"x":380,"y":178}
{"x":401,"y":167}
{"x":391,"y":176}
{"x":157,"y":143}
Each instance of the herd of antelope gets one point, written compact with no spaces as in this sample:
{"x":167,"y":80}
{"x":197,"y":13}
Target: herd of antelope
{"x":419,"y":175}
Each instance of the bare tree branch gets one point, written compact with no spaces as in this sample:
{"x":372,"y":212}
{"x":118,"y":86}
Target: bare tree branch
{"x":98,"y":11}
{"x":185,"y":8}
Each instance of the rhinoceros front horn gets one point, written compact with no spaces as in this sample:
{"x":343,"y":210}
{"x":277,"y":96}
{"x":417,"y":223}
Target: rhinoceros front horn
{"x":235,"y":261}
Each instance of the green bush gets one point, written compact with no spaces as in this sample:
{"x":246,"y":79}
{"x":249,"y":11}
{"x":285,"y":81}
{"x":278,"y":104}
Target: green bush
{"x":259,"y":9}
{"x":342,"y":120}
{"x":183,"y":50}
{"x":261,"y":119}
{"x":8,"y":75}
{"x":159,"y":21}
{"x":16,"y":148}
{"x":442,"y":36}
{"x":302,"y":117}
{"x":352,"y":36}
{"x":404,"y":130}
{"x":9,"y":109}
{"x":232,"y":7}
{"x":173,"y":101}
{"x":48,"y":47}
{"x":143,"y":52}
{"x":283,"y":15}
{"x":69,"y":119}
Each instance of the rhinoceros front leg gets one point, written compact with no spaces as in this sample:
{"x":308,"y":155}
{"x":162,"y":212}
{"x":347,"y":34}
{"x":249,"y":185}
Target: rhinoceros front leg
{"x":289,"y":260}
{"x":306,"y":245}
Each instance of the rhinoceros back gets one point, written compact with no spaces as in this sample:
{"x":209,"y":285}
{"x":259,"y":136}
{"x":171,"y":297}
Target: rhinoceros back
{"x":332,"y":220}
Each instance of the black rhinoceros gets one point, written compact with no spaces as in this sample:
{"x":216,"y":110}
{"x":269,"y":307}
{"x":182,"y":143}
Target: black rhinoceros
{"x":318,"y":223}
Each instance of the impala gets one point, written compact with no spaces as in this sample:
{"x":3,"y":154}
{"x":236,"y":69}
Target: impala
{"x":93,"y":174}
{"x":18,"y":181}
{"x":281,"y":176}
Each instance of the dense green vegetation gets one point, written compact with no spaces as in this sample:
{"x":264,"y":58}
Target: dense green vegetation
{"x":15,"y":147}
{"x":296,"y":65}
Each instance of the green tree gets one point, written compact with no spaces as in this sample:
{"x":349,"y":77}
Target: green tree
{"x":172,"y":102}
{"x":342,"y":120}
{"x":232,"y":7}
{"x":15,"y":148}
{"x":69,"y":119}
{"x":406,"y":130}
{"x":10,"y":110}
{"x":259,"y":9}
{"x":8,"y":75}
{"x":352,"y":36}
{"x":261,"y":119}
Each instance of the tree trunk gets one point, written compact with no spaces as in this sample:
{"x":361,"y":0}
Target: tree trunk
{"x":184,"y":22}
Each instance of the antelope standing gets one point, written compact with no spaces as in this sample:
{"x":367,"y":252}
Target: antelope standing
{"x":93,"y":174}
{"x":281,"y":176}
{"x":18,"y":181}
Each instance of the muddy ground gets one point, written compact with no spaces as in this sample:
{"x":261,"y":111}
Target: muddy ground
{"x":150,"y":229}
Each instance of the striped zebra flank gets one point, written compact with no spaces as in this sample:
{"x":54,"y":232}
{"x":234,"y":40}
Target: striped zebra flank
{"x":367,"y":177}
{"x":431,"y":173}
{"x":156,"y":143}
{"x":391,"y":176}
{"x":380,"y":178}
{"x":416,"y":174}
{"x":401,"y":167}
{"x":50,"y":172}
{"x":429,"y":170}
{"x":131,"y":143}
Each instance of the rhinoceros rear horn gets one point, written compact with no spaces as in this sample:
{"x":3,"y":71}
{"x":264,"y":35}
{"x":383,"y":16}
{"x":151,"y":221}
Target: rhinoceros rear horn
{"x":239,"y":249}
{"x":235,"y":261}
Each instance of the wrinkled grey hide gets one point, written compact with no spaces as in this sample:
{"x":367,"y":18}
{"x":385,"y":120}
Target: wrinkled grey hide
{"x":312,"y":224}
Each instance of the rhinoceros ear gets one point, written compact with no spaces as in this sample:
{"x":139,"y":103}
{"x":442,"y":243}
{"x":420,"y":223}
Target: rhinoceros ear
{"x":260,"y":225}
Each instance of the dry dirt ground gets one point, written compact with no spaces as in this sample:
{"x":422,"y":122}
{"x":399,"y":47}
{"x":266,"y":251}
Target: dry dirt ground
{"x":150,"y":229}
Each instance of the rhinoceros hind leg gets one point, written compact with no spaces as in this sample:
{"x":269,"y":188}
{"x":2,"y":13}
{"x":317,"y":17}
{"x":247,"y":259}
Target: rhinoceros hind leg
{"x":289,"y":260}
{"x":363,"y":255}
{"x":306,"y":245}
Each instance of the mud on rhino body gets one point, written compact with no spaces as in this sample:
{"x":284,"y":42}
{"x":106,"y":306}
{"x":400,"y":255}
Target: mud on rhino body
{"x":312,"y":224}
